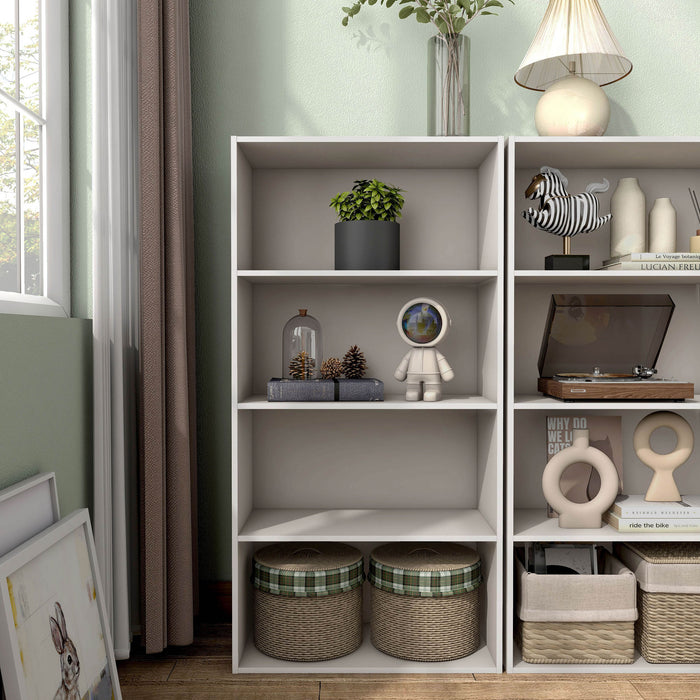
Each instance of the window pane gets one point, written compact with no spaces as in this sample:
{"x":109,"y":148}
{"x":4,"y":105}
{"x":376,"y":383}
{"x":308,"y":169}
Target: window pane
{"x":9,"y":263}
{"x":31,"y":195}
{"x":7,"y":46}
{"x":29,"y":85}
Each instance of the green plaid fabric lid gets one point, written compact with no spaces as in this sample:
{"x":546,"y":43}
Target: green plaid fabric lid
{"x":425,"y":570}
{"x":305,"y":570}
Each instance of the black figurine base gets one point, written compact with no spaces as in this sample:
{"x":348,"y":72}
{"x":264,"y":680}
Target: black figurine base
{"x":567,"y":262}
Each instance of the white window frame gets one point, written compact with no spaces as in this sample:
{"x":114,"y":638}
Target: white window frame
{"x":55,"y":172}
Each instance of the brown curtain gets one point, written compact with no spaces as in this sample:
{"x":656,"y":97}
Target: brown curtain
{"x":167,"y":407}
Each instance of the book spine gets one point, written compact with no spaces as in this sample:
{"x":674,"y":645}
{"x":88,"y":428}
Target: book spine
{"x":652,"y":524}
{"x":656,"y":513}
{"x":655,"y":265}
{"x":644,"y":257}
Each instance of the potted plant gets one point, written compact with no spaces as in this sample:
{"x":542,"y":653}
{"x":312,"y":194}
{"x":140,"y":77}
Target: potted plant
{"x":448,"y":60}
{"x":367,"y":235}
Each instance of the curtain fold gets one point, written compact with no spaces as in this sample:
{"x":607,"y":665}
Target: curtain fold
{"x":167,"y":378}
{"x":115,"y":300}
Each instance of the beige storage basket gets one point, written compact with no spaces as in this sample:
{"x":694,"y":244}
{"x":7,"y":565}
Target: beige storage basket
{"x":668,"y":598}
{"x":576,"y":619}
{"x":425,"y":600}
{"x":307,"y":600}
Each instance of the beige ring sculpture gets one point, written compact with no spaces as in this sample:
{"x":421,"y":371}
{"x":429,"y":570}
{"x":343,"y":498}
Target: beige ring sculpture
{"x":581,"y":515}
{"x":663,"y":487}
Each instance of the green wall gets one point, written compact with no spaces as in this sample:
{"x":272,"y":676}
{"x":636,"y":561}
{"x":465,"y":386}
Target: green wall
{"x":288,"y":67}
{"x":46,"y":406}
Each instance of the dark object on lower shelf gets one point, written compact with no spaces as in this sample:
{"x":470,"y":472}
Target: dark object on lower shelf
{"x":367,"y":389}
{"x":567,"y":262}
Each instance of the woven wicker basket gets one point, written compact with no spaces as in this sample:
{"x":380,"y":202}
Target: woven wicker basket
{"x":668,"y":599}
{"x":576,"y":642}
{"x":307,"y":601}
{"x":586,"y":619}
{"x":425,"y":600}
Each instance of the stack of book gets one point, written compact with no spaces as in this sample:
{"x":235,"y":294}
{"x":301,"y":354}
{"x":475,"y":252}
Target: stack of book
{"x":653,"y":261}
{"x":634,"y":514}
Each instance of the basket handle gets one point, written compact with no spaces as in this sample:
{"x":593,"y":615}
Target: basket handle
{"x":306,"y":549}
{"x":423,"y":549}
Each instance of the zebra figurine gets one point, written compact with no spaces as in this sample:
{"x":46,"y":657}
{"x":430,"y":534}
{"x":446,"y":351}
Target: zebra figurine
{"x":561,"y":213}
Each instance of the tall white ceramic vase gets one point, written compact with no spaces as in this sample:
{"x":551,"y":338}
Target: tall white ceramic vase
{"x":628,"y":224}
{"x":662,"y":227}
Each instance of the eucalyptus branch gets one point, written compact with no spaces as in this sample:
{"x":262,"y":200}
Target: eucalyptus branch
{"x":447,"y":16}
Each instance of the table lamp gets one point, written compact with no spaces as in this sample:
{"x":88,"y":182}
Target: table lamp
{"x":574,"y":52}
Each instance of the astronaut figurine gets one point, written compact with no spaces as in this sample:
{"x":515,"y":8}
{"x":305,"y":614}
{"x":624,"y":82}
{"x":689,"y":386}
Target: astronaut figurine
{"x":422,"y":324}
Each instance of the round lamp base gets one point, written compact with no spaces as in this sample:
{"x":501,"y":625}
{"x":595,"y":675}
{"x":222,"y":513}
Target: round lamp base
{"x":573,"y":106}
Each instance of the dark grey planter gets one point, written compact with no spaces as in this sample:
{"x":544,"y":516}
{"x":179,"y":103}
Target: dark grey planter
{"x":367,"y":245}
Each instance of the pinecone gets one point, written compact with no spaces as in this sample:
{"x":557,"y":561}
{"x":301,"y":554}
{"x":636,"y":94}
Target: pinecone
{"x":331,"y":368}
{"x":301,"y":366}
{"x":354,"y":364}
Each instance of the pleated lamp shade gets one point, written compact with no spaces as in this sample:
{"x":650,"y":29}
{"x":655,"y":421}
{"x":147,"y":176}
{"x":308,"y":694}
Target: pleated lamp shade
{"x":574,"y":38}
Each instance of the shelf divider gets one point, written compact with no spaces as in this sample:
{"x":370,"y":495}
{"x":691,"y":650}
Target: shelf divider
{"x":533,"y":525}
{"x":366,"y":525}
{"x":367,"y":659}
{"x":391,"y":402}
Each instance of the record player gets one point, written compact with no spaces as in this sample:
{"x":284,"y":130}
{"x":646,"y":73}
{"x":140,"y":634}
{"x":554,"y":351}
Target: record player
{"x":605,"y":347}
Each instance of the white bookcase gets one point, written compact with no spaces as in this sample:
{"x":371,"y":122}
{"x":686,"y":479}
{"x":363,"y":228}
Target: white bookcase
{"x":665,"y":167}
{"x":368,"y":473}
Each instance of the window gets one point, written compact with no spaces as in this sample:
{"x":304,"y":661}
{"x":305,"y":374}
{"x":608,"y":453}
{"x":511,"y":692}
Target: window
{"x":34,"y":172}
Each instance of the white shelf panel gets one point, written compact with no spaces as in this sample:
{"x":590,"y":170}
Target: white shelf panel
{"x":653,"y":277}
{"x":391,"y":402}
{"x":366,"y":659}
{"x":366,"y":525}
{"x":639,"y":665}
{"x":367,"y":152}
{"x":532,"y":525}
{"x":536,"y":402}
{"x":627,"y":152}
{"x":366,"y":276}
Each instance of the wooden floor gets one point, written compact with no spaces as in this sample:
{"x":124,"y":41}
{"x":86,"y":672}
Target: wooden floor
{"x":203,"y":671}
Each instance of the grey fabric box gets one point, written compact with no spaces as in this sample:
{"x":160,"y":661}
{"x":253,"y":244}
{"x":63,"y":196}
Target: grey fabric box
{"x":610,"y":596}
{"x":325,"y":390}
{"x":581,"y":619}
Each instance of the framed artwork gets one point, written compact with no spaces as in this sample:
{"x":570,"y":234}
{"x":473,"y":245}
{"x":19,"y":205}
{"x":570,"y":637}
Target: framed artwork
{"x":54,"y":635}
{"x":27,"y":508}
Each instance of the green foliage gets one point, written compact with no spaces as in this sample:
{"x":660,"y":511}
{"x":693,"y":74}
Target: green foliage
{"x":29,"y":167}
{"x":369,"y":200}
{"x":448,"y":16}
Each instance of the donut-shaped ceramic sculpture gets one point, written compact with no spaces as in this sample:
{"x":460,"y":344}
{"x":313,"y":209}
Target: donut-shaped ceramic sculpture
{"x":580,"y":515}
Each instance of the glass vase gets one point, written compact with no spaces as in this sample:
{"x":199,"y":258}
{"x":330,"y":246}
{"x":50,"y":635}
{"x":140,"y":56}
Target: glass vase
{"x":302,"y":347}
{"x":448,"y":85}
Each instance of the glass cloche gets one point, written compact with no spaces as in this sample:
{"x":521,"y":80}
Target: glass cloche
{"x":302,"y":347}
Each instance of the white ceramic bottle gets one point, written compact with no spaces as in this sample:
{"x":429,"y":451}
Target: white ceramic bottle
{"x":628,"y":224}
{"x":662,"y":227}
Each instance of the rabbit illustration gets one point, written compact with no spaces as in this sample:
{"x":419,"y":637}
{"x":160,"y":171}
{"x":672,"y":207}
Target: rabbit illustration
{"x":70,"y":666}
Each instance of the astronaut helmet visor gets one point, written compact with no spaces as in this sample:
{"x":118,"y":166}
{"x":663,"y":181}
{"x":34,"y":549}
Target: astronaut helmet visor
{"x":422,"y":323}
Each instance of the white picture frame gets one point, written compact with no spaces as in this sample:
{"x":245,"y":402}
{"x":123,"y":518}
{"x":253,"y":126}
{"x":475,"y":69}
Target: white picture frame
{"x":50,"y":597}
{"x":26,"y":509}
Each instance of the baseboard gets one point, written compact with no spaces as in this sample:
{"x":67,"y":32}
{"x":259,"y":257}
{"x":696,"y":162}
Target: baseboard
{"x":215,"y":601}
